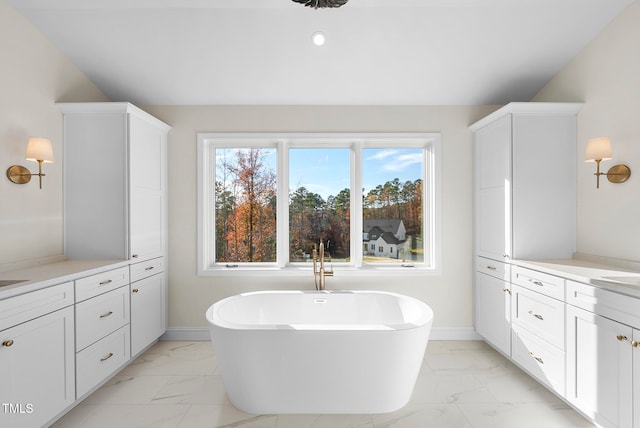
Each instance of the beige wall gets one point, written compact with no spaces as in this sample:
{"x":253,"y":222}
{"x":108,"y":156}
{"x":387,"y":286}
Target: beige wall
{"x":33,"y":77}
{"x":606,"y":77}
{"x":448,"y":293}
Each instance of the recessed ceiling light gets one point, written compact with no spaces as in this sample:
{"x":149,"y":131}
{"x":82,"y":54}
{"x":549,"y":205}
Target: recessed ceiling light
{"x":318,"y":38}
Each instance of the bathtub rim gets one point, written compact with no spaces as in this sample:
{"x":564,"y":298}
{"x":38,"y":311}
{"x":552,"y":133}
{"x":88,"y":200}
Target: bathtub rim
{"x":214,"y":320}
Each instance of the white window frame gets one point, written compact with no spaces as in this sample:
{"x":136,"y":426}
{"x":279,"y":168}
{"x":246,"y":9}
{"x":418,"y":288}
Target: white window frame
{"x":206,"y":166}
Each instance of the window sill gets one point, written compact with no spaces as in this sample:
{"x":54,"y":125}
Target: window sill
{"x":307,"y":271}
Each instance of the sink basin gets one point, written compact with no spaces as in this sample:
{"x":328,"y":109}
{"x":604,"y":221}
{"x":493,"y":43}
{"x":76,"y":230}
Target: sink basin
{"x":5,"y":282}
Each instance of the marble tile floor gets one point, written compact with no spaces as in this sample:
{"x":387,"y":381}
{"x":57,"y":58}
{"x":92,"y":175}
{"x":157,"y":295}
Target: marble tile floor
{"x":462,"y":384}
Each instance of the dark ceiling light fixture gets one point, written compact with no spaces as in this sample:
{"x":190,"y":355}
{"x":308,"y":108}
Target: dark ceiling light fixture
{"x":321,"y":4}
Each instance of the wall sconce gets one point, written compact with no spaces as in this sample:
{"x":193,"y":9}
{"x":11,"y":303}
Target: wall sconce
{"x":599,"y":149}
{"x":38,"y":150}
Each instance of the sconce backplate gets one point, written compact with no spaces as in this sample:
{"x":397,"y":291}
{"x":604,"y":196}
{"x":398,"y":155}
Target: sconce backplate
{"x":18,"y":174}
{"x":618,"y":173}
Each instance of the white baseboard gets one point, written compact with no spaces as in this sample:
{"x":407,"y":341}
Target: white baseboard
{"x":195,"y":334}
{"x":454,"y":333}
{"x":186,"y":334}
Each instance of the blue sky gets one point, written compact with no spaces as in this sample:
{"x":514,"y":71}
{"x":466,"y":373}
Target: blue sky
{"x":326,"y":171}
{"x":322,"y":171}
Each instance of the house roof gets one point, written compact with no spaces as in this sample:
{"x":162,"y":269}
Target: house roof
{"x":390,"y":238}
{"x":385,"y":225}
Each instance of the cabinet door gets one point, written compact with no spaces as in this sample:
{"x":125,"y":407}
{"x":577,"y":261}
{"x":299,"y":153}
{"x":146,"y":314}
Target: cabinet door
{"x":147,"y":310}
{"x":95,"y":222}
{"x":37,"y":369}
{"x":493,"y":311}
{"x":492,"y":146}
{"x":147,"y":189}
{"x":543,"y":204}
{"x":599,"y":368}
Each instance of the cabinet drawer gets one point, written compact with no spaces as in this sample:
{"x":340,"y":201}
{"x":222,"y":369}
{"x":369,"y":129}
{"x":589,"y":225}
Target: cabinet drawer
{"x":22,"y":308}
{"x":543,"y":283}
{"x":100,"y":360}
{"x":542,"y":360}
{"x":494,"y":268}
{"x":619,"y":307}
{"x":540,"y":314}
{"x":97,"y":317}
{"x":95,"y":285}
{"x":147,"y":268}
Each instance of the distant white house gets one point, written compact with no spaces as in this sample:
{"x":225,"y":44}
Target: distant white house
{"x":385,"y":238}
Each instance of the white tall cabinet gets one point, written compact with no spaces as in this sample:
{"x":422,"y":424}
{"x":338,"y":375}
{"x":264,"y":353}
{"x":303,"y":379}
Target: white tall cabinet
{"x":114,"y":182}
{"x":524,"y":165}
{"x":524,"y":201}
{"x":115,"y":201}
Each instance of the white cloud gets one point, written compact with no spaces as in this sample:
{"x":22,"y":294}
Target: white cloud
{"x":382,"y":154}
{"x":402,"y":162}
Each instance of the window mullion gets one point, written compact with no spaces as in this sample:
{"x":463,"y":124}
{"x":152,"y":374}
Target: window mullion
{"x":356,"y":204}
{"x":283,"y":205}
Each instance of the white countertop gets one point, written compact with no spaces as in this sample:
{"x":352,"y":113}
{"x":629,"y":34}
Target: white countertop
{"x":47,"y":275}
{"x":623,"y":278}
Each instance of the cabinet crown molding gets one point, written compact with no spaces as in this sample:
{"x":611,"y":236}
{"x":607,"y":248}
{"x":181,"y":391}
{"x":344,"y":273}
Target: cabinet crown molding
{"x":111,"y":108}
{"x":528,"y":108}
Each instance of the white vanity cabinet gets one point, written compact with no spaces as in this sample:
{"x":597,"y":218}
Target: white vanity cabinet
{"x":493,"y":316}
{"x":70,"y":326}
{"x":524,"y":181}
{"x":114,"y":182}
{"x":573,"y":330}
{"x":148,"y":292}
{"x":603,"y":355}
{"x":37,"y":361}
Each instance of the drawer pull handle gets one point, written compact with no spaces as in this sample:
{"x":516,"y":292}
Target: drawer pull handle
{"x":107,"y":357}
{"x":107,"y":314}
{"x":621,"y":338}
{"x":538,"y":283}
{"x":538,"y":359}
{"x":533,"y":314}
{"x":506,"y":290}
{"x":134,"y":256}
{"x":149,"y":268}
{"x":491,"y":267}
{"x":506,"y":256}
{"x":7,"y":343}
{"x":635,"y":344}
{"x":135,"y":290}
{"x":108,"y":281}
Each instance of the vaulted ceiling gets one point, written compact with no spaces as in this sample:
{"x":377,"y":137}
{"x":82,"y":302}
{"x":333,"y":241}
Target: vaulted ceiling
{"x":377,"y":52}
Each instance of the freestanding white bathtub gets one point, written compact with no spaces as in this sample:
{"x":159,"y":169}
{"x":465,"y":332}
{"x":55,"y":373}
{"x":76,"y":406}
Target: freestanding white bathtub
{"x":319,"y":352}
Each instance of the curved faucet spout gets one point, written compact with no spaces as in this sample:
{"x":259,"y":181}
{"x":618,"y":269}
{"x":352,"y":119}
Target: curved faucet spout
{"x":319,"y":271}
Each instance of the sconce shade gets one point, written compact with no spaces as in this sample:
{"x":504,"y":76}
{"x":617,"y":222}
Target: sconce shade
{"x":39,"y":149}
{"x":598,"y":149}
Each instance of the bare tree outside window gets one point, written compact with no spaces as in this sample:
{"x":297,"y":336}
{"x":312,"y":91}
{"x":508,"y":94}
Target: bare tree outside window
{"x":245,"y":205}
